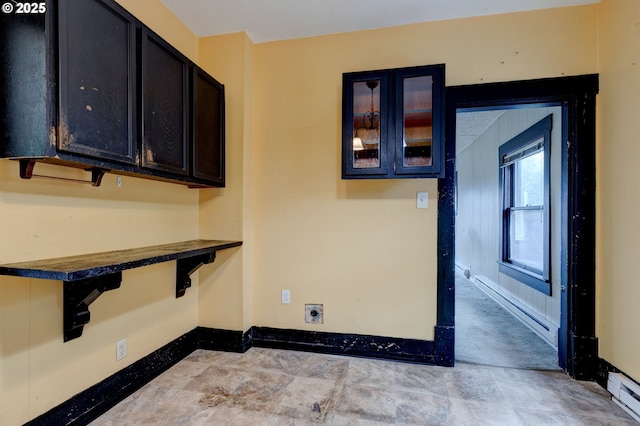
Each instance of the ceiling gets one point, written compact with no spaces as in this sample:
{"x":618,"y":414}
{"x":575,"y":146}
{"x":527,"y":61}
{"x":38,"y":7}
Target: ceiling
{"x":470,"y":125}
{"x":269,"y":20}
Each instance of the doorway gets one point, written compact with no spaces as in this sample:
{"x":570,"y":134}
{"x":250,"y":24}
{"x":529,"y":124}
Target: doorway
{"x":508,"y":168}
{"x":577,"y":344}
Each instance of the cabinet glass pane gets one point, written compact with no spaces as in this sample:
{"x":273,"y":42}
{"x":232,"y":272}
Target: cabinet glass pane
{"x":417,"y":120}
{"x":366,"y":124}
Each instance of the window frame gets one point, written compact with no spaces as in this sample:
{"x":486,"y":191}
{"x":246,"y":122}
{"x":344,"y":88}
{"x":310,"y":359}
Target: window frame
{"x":537,"y":279}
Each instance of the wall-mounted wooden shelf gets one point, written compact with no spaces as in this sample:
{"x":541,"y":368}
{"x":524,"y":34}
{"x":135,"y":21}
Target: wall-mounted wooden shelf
{"x":86,"y":277}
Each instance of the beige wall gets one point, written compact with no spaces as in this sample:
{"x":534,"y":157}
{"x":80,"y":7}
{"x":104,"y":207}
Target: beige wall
{"x":361,"y":248}
{"x":226,"y":213}
{"x":42,"y":219}
{"x":618,"y":176}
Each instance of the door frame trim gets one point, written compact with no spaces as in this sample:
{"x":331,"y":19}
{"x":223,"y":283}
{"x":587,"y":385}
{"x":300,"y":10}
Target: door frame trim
{"x":577,"y":343}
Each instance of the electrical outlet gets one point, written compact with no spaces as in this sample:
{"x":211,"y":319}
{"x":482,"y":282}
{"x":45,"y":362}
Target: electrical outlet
{"x":286,"y":297}
{"x":121,"y":349}
{"x":313,"y":314}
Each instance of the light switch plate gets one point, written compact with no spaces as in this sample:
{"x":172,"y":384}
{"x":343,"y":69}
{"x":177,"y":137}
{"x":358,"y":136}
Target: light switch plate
{"x":422,"y":200}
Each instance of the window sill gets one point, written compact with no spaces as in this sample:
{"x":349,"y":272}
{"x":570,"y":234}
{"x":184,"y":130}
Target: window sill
{"x":535,"y":281}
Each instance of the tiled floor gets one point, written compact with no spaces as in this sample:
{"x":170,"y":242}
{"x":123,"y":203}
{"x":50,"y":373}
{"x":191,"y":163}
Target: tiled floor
{"x":274,"y":387}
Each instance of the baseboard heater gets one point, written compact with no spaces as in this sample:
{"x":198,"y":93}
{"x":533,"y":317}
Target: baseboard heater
{"x":542,"y":327}
{"x":626,"y":393}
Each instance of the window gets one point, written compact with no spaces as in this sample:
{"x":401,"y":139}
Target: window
{"x":524,"y":186}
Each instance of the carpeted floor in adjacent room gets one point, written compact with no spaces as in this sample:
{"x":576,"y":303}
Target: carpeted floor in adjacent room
{"x":487,"y":334}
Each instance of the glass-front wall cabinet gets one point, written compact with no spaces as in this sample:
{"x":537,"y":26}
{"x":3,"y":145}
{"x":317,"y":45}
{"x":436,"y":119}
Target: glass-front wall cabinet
{"x":393,"y":123}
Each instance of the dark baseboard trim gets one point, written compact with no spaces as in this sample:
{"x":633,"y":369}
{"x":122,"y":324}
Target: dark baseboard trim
{"x":88,"y":405}
{"x":584,"y":363}
{"x":215,"y":339}
{"x":409,"y":350}
{"x":444,"y":355}
{"x":604,"y":368}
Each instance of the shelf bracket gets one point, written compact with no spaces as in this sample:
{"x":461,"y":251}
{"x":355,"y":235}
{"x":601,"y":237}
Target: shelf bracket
{"x":78,"y":295}
{"x":188,"y":266}
{"x":27,"y":166}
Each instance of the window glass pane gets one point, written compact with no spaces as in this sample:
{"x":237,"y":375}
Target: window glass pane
{"x":366,"y":124}
{"x":529,"y":181}
{"x":526,"y":238}
{"x":417,"y":123}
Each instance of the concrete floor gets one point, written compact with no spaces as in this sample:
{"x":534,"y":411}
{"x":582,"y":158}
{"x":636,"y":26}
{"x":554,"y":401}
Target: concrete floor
{"x":276,"y":387}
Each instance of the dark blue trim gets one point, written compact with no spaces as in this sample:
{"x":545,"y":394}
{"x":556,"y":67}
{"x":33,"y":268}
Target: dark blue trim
{"x":443,"y":343}
{"x":534,"y":132}
{"x":525,"y":277}
{"x":563,"y":331}
{"x":581,"y":212}
{"x":445,"y":319}
{"x":577,"y":345}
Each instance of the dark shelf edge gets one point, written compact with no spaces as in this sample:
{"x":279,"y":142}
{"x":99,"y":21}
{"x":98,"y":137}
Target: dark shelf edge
{"x":85,"y":273}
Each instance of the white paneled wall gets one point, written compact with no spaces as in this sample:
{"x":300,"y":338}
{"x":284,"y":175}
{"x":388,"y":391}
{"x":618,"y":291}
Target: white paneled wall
{"x":478,"y":214}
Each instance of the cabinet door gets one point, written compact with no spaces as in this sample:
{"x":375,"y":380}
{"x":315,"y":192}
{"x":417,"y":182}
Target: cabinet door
{"x":165,"y":106}
{"x":419,"y":120}
{"x":97,"y":79}
{"x":208,"y":128}
{"x":365,"y":127}
{"x":393,"y":123}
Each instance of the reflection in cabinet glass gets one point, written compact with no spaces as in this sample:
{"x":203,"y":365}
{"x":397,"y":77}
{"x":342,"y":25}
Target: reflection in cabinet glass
{"x":366,"y":123}
{"x":417,"y":121}
{"x":393,"y":122}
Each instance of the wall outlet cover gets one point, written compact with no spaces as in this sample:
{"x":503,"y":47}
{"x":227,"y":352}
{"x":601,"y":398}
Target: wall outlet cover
{"x":313,"y":314}
{"x":121,"y":349}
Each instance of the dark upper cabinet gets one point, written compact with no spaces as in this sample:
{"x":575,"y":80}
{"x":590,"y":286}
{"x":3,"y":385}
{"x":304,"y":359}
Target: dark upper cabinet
{"x":208,"y":128}
{"x":393,"y":123}
{"x":97,"y":80}
{"x":165,"y":106}
{"x":87,"y":85}
{"x":366,"y":125}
